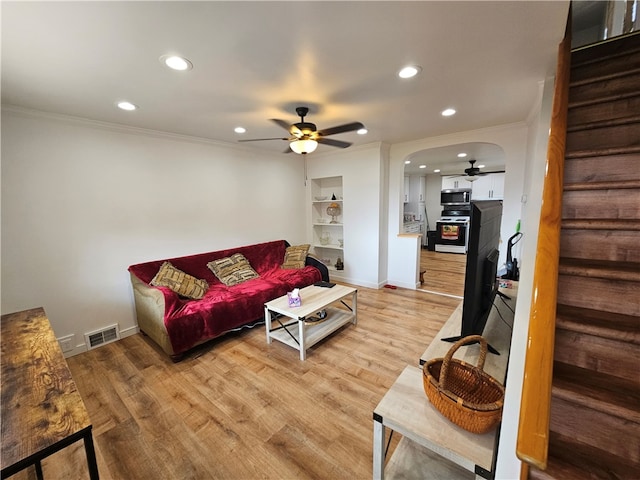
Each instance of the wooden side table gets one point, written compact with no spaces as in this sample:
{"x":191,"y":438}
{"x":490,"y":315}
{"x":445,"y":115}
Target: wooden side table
{"x":42,"y":411}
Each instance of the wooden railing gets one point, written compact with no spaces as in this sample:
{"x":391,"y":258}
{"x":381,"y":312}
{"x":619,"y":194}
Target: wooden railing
{"x":533,"y":429}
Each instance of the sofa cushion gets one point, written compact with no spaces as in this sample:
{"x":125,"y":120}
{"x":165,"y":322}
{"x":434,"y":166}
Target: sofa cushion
{"x":180,"y":282}
{"x":232,"y":270}
{"x":295,"y":256}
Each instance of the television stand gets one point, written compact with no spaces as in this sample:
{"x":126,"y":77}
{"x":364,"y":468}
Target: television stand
{"x":455,"y":339}
{"x":431,"y":446}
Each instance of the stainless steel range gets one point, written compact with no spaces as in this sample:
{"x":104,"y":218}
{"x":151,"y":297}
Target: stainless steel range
{"x":452,"y":229}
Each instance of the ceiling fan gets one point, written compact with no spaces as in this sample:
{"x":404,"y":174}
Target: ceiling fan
{"x":472,"y":172}
{"x":305,"y":136}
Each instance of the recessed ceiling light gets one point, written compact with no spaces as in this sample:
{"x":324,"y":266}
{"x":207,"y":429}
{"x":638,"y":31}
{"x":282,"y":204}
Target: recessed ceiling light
{"x":409,"y":71}
{"x":240,"y":130}
{"x":480,"y":166}
{"x":423,"y":166}
{"x":462,"y":155}
{"x":448,"y":112}
{"x":176,"y":63}
{"x":407,"y":162}
{"x":127,"y":106}
{"x":437,"y":170}
{"x":362,"y":131}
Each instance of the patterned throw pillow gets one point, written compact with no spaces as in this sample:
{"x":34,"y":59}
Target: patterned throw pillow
{"x":232,"y":270}
{"x":295,"y":257}
{"x":182,"y":283}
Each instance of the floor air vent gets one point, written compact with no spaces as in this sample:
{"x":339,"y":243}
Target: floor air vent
{"x":100,"y":337}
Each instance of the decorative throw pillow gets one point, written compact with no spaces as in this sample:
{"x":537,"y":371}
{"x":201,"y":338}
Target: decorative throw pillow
{"x":182,"y":283}
{"x":232,"y":270}
{"x":295,"y":257}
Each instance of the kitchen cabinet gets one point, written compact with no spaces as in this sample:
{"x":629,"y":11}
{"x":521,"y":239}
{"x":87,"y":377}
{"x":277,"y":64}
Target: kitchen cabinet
{"x":454,"y":183}
{"x":488,"y":187}
{"x":407,"y":189}
{"x":327,"y":239}
{"x":417,"y":188}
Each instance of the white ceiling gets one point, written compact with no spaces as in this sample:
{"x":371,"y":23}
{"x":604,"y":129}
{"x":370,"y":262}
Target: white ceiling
{"x":447,"y":161}
{"x":259,"y":60}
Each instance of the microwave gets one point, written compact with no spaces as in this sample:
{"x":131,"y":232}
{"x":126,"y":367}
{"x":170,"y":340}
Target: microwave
{"x":458,"y":196}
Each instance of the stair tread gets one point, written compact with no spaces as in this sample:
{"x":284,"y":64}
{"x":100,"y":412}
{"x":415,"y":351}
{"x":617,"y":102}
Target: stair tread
{"x":570,"y":460}
{"x":600,"y":152}
{"x":615,"y":326}
{"x":600,"y":269}
{"x":603,"y":51}
{"x":602,"y":224}
{"x":612,"y":97}
{"x":603,"y":185}
{"x":604,"y":77}
{"x":596,"y":390}
{"x":624,"y":120}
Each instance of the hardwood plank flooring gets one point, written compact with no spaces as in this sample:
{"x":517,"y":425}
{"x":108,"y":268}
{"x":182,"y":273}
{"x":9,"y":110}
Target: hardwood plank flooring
{"x":238,"y":408}
{"x":444,"y":272}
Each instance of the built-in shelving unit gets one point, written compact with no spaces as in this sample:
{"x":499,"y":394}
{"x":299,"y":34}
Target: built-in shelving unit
{"x":327,"y":231}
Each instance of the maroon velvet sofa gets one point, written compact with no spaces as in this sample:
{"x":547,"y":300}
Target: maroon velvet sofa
{"x":178,"y":324}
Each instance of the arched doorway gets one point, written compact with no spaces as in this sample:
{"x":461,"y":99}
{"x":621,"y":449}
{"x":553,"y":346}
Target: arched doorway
{"x":426,"y":173}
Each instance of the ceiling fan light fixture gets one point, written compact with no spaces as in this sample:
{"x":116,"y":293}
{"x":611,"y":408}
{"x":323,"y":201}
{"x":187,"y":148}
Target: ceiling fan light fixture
{"x":302,"y":147}
{"x":469,"y":178}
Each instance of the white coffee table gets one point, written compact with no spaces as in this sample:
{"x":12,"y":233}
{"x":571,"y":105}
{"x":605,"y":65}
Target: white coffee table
{"x":281,"y":320}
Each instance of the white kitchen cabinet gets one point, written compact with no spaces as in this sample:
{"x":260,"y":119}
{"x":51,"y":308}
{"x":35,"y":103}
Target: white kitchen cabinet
{"x":488,"y":187}
{"x":454,"y":183}
{"x":407,"y":188}
{"x":418,"y":189}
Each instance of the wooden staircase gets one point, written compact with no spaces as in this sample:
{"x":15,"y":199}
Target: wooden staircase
{"x":595,"y":400}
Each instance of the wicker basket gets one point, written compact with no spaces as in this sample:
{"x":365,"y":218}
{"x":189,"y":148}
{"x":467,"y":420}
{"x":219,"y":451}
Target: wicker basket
{"x":464,"y":394}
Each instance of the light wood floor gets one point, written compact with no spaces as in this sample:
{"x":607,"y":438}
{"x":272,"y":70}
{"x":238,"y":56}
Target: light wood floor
{"x":444,"y":272}
{"x":238,"y":408}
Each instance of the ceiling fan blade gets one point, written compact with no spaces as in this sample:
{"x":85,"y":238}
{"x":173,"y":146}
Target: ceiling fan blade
{"x":282,"y":123}
{"x":348,"y":127}
{"x":261,"y":139}
{"x":292,"y":129}
{"x":479,"y":174}
{"x":333,"y":143}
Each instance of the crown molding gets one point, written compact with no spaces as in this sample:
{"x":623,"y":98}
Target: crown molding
{"x":119,"y":128}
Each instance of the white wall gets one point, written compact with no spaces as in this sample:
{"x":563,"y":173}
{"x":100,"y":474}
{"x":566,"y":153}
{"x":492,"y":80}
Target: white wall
{"x":508,"y":465}
{"x":363,"y":180}
{"x":81,"y":201}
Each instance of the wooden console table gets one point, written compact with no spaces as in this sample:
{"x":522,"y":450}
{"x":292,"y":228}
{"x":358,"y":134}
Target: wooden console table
{"x":42,"y":411}
{"x":432,"y":447}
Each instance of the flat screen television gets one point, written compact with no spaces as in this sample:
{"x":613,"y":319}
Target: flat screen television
{"x":481,"y":283}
